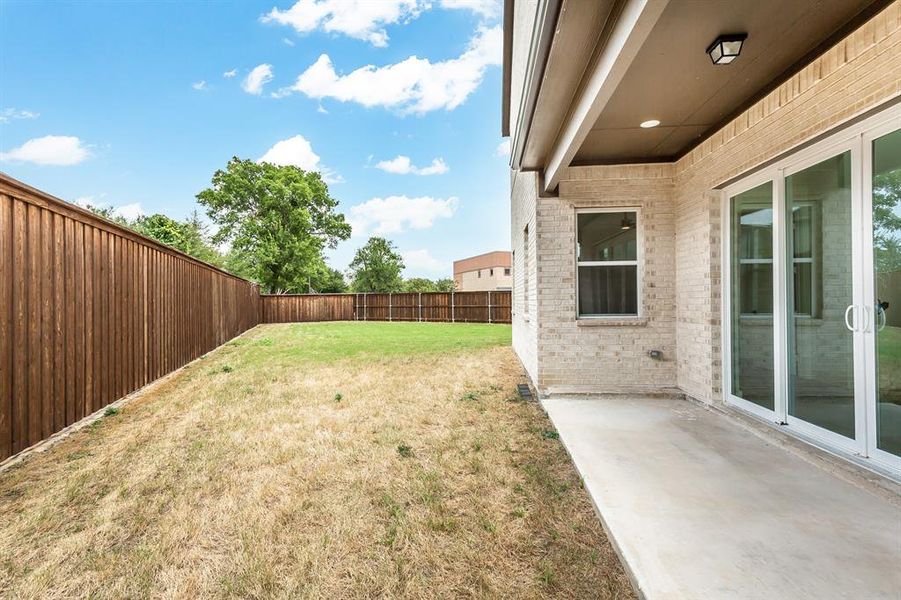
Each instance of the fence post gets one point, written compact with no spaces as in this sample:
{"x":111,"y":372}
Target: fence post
{"x":364,"y":305}
{"x":389,"y":306}
{"x":420,"y":307}
{"x":489,"y":307}
{"x":453,"y":316}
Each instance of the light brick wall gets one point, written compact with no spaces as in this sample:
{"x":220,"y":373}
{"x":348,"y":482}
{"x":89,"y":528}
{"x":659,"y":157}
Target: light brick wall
{"x":590,"y":354}
{"x":524,"y":198}
{"x":860,"y":73}
{"x":681,"y":228}
{"x":492,"y":278}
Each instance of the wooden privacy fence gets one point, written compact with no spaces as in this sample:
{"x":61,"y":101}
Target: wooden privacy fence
{"x":91,"y":311}
{"x":463,"y":307}
{"x":301,"y":308}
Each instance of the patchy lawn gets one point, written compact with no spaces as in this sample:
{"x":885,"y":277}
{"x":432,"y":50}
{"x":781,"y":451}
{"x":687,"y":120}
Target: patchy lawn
{"x":323,"y":460}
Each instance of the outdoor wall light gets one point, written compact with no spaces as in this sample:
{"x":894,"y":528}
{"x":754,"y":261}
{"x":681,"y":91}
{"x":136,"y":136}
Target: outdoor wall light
{"x":726,"y":48}
{"x":626,"y":224}
{"x":649,"y":124}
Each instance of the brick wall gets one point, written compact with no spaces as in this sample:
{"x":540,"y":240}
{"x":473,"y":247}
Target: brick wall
{"x":524,"y":197}
{"x":609,"y":355}
{"x":860,"y":73}
{"x":681,"y":228}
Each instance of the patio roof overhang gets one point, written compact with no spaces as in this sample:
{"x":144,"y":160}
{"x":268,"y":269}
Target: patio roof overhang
{"x":599,"y":69}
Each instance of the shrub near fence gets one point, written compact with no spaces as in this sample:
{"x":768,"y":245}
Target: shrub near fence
{"x":91,"y":311}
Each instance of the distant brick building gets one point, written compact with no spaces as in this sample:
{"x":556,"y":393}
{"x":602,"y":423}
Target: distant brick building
{"x":485,"y":272}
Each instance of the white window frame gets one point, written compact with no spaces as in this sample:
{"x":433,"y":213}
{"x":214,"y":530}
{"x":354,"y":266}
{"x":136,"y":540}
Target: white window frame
{"x":637,"y":263}
{"x":815,"y":261}
{"x":855,"y":138}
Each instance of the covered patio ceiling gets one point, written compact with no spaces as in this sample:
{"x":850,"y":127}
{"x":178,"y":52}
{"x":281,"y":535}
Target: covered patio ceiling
{"x":673,"y":80}
{"x":612,"y":65}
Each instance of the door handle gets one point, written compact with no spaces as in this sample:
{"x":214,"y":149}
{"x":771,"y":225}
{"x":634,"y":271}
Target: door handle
{"x":866,"y":318}
{"x":880,"y":316}
{"x":847,"y":322}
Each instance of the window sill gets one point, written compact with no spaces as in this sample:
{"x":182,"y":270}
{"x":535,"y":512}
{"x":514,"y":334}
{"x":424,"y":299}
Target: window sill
{"x":611,"y":322}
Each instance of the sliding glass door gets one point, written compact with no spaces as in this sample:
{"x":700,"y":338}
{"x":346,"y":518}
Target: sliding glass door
{"x":820,"y":294}
{"x":812,"y":292}
{"x":884,"y":290}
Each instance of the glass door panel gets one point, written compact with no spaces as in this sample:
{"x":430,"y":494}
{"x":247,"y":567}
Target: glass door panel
{"x":751,"y":253}
{"x":887,"y":280}
{"x":820,"y":286}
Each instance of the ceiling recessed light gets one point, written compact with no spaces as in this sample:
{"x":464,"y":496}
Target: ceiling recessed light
{"x":651,"y":123}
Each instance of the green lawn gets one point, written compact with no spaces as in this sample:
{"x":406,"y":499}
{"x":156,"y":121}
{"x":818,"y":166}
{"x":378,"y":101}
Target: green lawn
{"x":327,"y":342}
{"x":319,"y":460}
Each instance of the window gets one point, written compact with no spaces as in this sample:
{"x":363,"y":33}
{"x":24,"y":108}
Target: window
{"x":491,"y":272}
{"x":525,"y":270}
{"x":806,"y":260}
{"x":507,"y":272}
{"x":753,"y":222}
{"x":480,"y":274}
{"x":607,"y":262}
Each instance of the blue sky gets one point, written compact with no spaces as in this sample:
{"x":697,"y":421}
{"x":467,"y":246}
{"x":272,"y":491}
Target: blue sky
{"x":134,"y":105}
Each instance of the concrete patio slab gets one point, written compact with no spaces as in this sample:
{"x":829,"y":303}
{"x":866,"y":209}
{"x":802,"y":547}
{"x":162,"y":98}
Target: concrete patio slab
{"x":700,"y":507}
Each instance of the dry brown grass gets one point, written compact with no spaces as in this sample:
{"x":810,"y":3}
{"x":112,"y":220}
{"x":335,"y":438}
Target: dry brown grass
{"x":427,"y":478}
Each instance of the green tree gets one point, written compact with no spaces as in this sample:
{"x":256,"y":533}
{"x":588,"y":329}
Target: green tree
{"x":190,"y":236}
{"x":161,"y":228}
{"x":419,"y":284}
{"x":278,"y":220}
{"x":329,"y":281}
{"x":376,"y":267}
{"x":108,"y":213}
{"x":196,"y":241}
{"x":445,"y":285}
{"x":887,"y":220}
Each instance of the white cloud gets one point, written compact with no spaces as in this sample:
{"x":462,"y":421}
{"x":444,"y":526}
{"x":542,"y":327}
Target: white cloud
{"x":85,"y":201}
{"x":10,"y":114}
{"x":394,"y":214}
{"x":61,"y":150}
{"x":401,"y":165}
{"x":200,"y":85}
{"x":321,"y":110}
{"x":129,"y":211}
{"x":297,"y":151}
{"x":422,"y":260}
{"x":230,"y":74}
{"x":257,"y":78}
{"x":488,"y":9}
{"x":503,"y":149}
{"x":288,"y":42}
{"x":412,"y":85}
{"x":359,"y":19}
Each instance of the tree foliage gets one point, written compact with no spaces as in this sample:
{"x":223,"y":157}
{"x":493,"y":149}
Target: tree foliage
{"x":377,"y":267}
{"x":887,"y":220}
{"x":330,"y":281}
{"x":189,"y":236}
{"x":422,"y":284}
{"x":445,"y":285}
{"x":278,"y":220}
{"x":419,"y":284}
